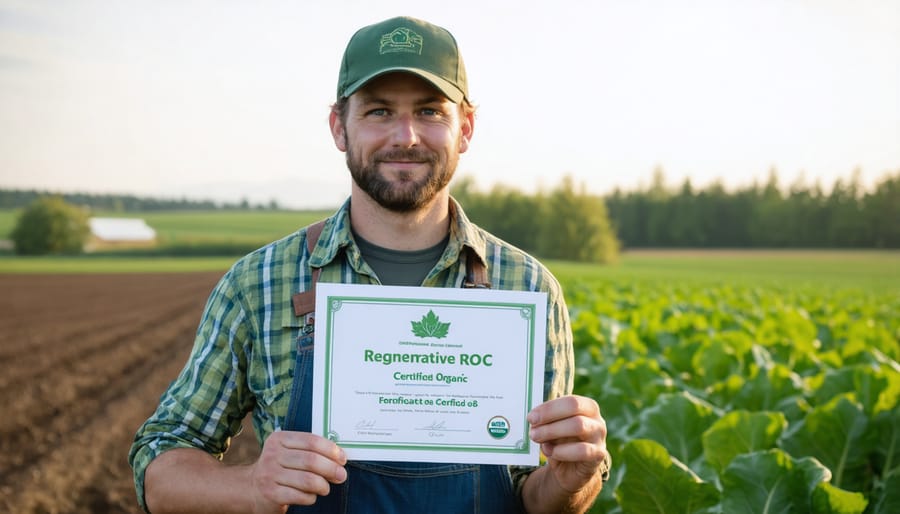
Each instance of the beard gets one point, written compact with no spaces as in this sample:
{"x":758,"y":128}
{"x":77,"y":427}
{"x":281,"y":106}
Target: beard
{"x":405,"y":193}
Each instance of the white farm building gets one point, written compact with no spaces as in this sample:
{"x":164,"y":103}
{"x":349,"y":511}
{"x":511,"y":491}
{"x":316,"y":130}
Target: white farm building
{"x":119,"y":233}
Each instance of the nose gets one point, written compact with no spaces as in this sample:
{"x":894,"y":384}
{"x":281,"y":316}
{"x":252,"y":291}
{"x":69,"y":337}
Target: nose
{"x":404,"y":133}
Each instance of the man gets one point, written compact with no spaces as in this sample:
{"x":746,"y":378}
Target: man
{"x":402,"y":117}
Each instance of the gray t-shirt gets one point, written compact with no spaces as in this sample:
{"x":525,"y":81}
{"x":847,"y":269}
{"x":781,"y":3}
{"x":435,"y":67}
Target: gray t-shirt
{"x":399,"y":268}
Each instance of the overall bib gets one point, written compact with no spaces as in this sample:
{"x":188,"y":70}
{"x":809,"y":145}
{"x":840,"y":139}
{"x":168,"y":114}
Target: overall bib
{"x":399,"y":487}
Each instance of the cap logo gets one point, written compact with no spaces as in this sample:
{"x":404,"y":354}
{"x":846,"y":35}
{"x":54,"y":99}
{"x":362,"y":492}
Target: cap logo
{"x":401,"y":39}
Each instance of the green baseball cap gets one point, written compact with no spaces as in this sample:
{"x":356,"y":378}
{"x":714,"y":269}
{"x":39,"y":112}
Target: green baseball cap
{"x":407,"y":45}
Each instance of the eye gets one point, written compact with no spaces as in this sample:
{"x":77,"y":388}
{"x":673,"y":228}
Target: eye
{"x":378,"y":112}
{"x":431,"y":112}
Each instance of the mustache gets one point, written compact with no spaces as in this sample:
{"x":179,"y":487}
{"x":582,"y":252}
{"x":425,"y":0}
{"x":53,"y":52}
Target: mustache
{"x":408,"y":154}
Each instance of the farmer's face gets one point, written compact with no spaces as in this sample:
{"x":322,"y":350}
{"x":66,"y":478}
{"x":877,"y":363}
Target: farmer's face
{"x":403,"y":139}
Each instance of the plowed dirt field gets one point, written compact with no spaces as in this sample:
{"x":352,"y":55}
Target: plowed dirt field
{"x":83,"y":360}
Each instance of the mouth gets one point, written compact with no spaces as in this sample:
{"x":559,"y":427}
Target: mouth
{"x":404,"y":157}
{"x":402,"y":164}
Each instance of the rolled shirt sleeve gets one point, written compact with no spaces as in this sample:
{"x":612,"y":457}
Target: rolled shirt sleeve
{"x":204,"y":406}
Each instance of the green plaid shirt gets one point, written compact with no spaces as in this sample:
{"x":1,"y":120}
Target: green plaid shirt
{"x":243,"y":355}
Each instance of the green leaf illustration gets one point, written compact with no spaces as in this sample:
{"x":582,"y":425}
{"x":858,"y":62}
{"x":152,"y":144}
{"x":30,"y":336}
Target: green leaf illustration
{"x":430,"y":326}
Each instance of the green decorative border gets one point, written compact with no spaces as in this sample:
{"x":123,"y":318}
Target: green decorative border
{"x":526,"y":310}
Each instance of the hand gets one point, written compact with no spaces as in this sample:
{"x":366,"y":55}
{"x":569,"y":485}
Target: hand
{"x":295,"y":468}
{"x":572,"y":435}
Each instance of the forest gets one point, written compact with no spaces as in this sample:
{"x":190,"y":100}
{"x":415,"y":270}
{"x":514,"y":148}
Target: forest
{"x":769,"y":216}
{"x":756,"y":216}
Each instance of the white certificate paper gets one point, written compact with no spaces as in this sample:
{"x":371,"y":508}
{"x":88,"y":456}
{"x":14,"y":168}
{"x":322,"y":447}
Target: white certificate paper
{"x":428,"y":374}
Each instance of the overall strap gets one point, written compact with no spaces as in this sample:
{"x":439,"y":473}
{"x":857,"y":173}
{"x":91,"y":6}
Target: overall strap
{"x":476,"y":273}
{"x":305,"y":302}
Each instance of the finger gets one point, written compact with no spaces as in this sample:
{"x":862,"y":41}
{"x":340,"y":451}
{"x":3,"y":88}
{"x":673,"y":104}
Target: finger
{"x":305,"y":482}
{"x":294,"y":494}
{"x":312,"y":463}
{"x":563,"y":407}
{"x":313,"y":443}
{"x":575,"y":452}
{"x":576,"y":429}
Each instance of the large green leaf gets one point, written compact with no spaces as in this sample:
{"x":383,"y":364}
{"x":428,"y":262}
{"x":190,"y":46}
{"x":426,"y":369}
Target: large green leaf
{"x":867,"y":335}
{"x":721,"y":357}
{"x":655,"y":483}
{"x":870,"y":385}
{"x":828,"y":499}
{"x":721,"y":393}
{"x":889,"y":399}
{"x":788,"y":324}
{"x":837,"y":435}
{"x":771,"y":482}
{"x":681,"y":355}
{"x":887,"y":497}
{"x":773,"y":388}
{"x":677,"y":421}
{"x":639,"y":381}
{"x":630,"y":387}
{"x":887,"y":450}
{"x":741,"y":432}
{"x":629,"y":344}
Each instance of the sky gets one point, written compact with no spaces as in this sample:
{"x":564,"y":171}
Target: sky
{"x":228,"y":99}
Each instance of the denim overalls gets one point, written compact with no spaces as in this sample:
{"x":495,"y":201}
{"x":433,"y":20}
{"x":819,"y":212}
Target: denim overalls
{"x":399,"y":487}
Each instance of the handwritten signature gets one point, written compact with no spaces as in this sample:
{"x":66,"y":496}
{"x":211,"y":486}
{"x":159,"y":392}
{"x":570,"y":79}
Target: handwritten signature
{"x":436,"y":425}
{"x":365,"y":423}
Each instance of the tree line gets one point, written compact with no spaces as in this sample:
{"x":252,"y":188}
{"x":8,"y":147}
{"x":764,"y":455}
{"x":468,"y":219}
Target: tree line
{"x":566,"y":223}
{"x":569,"y":223}
{"x":21,"y":198}
{"x":760,"y":216}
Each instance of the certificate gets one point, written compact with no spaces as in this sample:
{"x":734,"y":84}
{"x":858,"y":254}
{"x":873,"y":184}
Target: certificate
{"x":428,"y":374}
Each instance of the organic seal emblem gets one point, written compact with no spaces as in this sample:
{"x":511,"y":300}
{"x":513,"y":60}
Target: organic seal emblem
{"x":498,"y":427}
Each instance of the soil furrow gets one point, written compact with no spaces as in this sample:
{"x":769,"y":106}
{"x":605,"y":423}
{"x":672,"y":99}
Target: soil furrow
{"x":94,"y":449}
{"x":91,"y":380}
{"x":71,"y":410}
{"x":82,"y":345}
{"x":24,"y":330}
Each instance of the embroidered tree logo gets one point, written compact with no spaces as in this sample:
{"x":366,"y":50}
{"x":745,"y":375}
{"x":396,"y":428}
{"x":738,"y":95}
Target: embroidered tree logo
{"x":430,"y":326}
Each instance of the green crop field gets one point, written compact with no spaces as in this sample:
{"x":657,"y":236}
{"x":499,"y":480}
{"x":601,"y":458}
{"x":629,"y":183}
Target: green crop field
{"x":743,"y":382}
{"x":867,"y":270}
{"x":254,"y":227}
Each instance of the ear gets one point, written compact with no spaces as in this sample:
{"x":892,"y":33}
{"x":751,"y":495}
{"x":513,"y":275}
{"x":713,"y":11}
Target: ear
{"x":337,"y":130}
{"x":467,"y":128}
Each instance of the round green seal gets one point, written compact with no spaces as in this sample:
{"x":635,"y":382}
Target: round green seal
{"x":498,"y":427}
